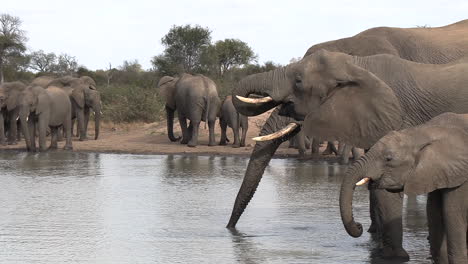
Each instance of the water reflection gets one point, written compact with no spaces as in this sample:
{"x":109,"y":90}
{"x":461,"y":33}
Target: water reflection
{"x":62,"y":207}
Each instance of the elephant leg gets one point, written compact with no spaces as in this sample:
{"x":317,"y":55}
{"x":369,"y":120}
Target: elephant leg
{"x":244,"y":135}
{"x":80,"y":120}
{"x":223,"y":126}
{"x":211,"y":133}
{"x":13,"y":128}
{"x":67,"y":130}
{"x":185,"y":130}
{"x":315,"y":147}
{"x":437,"y":236}
{"x":300,"y":140}
{"x":54,"y":137}
{"x":341,"y":147}
{"x":454,"y":211}
{"x":18,"y":133}
{"x":330,"y":149}
{"x":193,"y":128}
{"x":345,"y":156}
{"x":372,"y":212}
{"x":235,"y":131}
{"x":390,"y":226}
{"x":2,"y":130}
{"x":356,"y":154}
{"x":86,"y":121}
{"x":292,"y":142}
{"x":60,"y":134}
{"x":43,"y":124}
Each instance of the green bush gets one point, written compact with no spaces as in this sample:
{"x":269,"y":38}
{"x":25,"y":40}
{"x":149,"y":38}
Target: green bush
{"x":131,"y":103}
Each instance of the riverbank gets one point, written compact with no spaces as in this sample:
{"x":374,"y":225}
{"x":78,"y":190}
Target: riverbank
{"x":141,"y":138}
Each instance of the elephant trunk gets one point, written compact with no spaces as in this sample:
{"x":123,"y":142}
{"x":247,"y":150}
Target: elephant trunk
{"x":24,"y":127}
{"x":275,"y":84}
{"x":354,"y":174}
{"x":261,"y":156}
{"x":170,"y":124}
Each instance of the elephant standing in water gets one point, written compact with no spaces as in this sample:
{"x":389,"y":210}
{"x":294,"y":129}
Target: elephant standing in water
{"x":228,"y":116}
{"x":430,"y":158}
{"x":41,"y":108}
{"x":426,"y":45}
{"x":195,"y":97}
{"x":9,"y":110}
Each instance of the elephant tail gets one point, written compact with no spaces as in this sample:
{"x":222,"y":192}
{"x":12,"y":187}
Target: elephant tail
{"x":207,"y":110}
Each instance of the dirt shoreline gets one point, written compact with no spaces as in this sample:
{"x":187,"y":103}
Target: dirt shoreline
{"x":151,"y":139}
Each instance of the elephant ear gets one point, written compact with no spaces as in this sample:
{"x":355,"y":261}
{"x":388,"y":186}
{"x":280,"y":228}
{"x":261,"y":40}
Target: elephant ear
{"x":441,"y":163}
{"x":78,"y":97}
{"x":359,"y":111}
{"x":42,"y":102}
{"x":12,"y":100}
{"x":167,"y":90}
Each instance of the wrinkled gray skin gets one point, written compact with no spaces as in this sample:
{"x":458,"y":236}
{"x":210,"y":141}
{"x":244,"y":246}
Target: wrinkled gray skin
{"x":84,"y":97}
{"x":426,"y":45}
{"x":9,"y":110}
{"x":430,"y":158}
{"x":195,"y":98}
{"x":41,"y":108}
{"x":229,"y":117}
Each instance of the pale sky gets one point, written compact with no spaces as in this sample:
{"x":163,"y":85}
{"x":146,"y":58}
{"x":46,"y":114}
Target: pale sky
{"x":110,"y":31}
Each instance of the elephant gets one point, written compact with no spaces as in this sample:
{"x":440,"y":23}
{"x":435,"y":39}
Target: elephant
{"x":40,"y":108}
{"x":84,"y":97}
{"x":432,"y":159}
{"x":9,"y":110}
{"x":425,"y":45}
{"x":195,"y":97}
{"x":228,"y":116}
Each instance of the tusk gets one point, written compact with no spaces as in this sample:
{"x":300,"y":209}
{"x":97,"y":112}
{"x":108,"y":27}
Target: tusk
{"x":27,"y":118}
{"x":100,"y":112}
{"x":363,"y":181}
{"x":17,"y":118}
{"x":255,"y":100}
{"x":286,"y":130}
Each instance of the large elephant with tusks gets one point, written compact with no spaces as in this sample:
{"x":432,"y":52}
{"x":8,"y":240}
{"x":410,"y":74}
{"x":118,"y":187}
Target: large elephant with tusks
{"x":319,"y":77}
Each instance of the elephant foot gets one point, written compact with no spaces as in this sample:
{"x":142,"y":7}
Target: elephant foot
{"x":83,"y":139}
{"x":222,"y":143}
{"x":242,"y":144}
{"x":184,"y":141}
{"x":12,"y":143}
{"x":236,"y":145}
{"x":191,"y":145}
{"x":212,"y":144}
{"x":399,"y":254}
{"x":68,"y":147}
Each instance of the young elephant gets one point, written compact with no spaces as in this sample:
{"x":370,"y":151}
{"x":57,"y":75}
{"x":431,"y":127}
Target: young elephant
{"x":430,"y":158}
{"x":229,"y":116}
{"x":195,"y":98}
{"x":41,"y":108}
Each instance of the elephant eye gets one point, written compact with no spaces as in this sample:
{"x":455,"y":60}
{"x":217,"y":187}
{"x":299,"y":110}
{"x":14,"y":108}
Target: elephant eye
{"x":298,"y":80}
{"x":388,"y":158}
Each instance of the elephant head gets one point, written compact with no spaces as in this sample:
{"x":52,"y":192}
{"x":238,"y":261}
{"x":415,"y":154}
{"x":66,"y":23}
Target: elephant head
{"x":33,"y":100}
{"x":42,"y":81}
{"x":167,"y":87}
{"x":416,"y":160}
{"x":10,"y":94}
{"x":330,"y":93}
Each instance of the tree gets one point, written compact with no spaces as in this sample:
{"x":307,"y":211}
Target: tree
{"x":183,"y":49}
{"x":12,"y":40}
{"x":231,"y":53}
{"x":66,"y":65}
{"x":42,"y":62}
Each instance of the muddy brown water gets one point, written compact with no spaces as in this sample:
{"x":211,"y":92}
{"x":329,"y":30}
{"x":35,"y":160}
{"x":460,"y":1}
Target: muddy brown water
{"x":67,"y":207}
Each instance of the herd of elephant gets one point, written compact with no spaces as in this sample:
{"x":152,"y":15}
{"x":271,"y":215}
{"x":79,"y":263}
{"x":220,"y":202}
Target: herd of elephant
{"x":401,"y":94}
{"x":45,"y":105}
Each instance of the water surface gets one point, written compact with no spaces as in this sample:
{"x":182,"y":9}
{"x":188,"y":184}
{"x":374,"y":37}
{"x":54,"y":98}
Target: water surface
{"x":65,"y":207}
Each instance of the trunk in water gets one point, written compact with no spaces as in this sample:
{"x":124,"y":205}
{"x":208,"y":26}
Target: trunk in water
{"x":25,"y":129}
{"x":353,"y":174}
{"x":261,"y":156}
{"x":170,"y":124}
{"x":273,"y":83}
